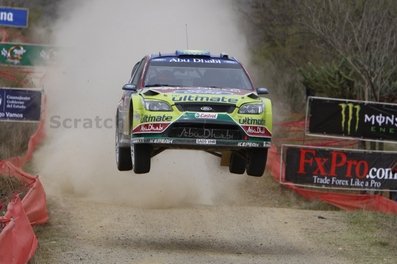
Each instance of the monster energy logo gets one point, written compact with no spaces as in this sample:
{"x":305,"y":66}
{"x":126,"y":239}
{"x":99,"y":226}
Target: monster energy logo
{"x":349,"y":112}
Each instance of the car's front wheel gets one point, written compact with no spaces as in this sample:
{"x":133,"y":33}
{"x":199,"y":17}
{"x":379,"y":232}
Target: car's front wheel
{"x":256,"y":162}
{"x":141,"y":156}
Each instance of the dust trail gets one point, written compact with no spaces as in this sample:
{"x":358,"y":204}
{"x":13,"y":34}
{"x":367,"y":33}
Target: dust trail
{"x":101,"y":41}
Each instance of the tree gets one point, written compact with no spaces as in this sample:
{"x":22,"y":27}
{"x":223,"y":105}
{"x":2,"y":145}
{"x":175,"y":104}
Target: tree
{"x":278,"y":47}
{"x":331,"y":79}
{"x":364,"y":33}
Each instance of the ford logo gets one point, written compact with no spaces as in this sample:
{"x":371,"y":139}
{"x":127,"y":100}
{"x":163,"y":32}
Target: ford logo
{"x":206,"y":108}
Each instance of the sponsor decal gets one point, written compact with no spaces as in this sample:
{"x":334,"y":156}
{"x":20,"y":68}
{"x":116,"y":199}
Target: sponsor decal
{"x":327,"y":166}
{"x":206,"y":115}
{"x":161,"y":141}
{"x":203,"y":141}
{"x":204,"y":98}
{"x":6,"y":16}
{"x":248,"y":144}
{"x":251,"y":121}
{"x":13,"y":54}
{"x":14,"y":17}
{"x":151,"y":119}
{"x":350,"y":114}
{"x":20,"y":104}
{"x":358,"y":119}
{"x":206,"y":133}
{"x":206,"y":108}
{"x":256,"y":131}
{"x":26,"y":55}
{"x":382,"y":173}
{"x":339,"y":168}
{"x":151,"y":128}
{"x":137,"y":140}
{"x":381,"y":120}
{"x":196,"y":60}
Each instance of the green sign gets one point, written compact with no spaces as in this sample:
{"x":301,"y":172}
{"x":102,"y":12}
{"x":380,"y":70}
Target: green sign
{"x":26,"y":54}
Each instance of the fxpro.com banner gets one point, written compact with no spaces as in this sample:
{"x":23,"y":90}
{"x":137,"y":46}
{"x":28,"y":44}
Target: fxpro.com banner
{"x":20,"y":104}
{"x":355,"y":119}
{"x":340,"y":168}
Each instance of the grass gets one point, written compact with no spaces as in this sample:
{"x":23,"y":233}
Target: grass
{"x":374,"y":233}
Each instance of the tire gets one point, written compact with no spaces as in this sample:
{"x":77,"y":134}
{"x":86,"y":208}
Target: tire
{"x":256,"y":162}
{"x":236,"y":164}
{"x":123,"y":154}
{"x":141,"y":156}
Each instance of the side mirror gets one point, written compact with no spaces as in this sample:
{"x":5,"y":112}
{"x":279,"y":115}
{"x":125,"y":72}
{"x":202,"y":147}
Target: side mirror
{"x":262,"y":90}
{"x":129,"y":87}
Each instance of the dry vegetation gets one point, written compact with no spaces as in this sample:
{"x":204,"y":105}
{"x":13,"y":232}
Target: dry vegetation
{"x":10,"y":185}
{"x":14,"y":138}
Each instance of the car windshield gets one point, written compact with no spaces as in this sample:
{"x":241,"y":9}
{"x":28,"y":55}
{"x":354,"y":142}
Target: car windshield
{"x":196,"y":72}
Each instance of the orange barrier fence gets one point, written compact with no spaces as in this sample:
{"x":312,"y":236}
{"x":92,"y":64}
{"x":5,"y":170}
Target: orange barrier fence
{"x":17,"y":239}
{"x":34,"y":201}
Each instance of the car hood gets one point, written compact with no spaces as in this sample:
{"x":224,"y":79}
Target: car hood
{"x":200,"y":95}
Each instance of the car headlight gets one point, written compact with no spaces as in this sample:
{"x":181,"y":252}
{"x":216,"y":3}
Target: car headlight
{"x":152,"y":105}
{"x":251,"y":109}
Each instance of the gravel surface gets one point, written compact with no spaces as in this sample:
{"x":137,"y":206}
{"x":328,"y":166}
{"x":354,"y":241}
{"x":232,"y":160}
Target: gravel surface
{"x":107,"y":233}
{"x":249,"y":229}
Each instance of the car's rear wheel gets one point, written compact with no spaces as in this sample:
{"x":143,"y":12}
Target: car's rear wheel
{"x":256,"y":162}
{"x":141,"y":156}
{"x":237,"y":163}
{"x":123,"y":154}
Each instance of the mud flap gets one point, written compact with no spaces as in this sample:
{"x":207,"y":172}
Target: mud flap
{"x":225,"y":158}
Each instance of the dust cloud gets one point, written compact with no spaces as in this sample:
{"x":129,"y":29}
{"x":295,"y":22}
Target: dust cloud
{"x":100,"y":41}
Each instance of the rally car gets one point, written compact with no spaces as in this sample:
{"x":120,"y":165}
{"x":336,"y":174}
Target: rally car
{"x":193,"y":100}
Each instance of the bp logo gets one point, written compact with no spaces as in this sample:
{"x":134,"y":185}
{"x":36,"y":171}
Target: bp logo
{"x":350,"y":117}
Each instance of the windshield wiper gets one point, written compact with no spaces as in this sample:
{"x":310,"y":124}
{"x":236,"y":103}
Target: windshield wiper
{"x":211,"y":86}
{"x":158,"y":85}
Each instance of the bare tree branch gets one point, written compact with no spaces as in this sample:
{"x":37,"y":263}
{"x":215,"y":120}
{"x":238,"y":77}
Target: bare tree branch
{"x":362,"y":32}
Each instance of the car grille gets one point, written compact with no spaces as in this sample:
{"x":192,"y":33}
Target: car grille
{"x":207,"y":131}
{"x":203,"y":107}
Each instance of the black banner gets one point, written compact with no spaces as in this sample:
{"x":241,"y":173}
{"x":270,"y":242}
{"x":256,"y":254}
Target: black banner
{"x":336,"y":168}
{"x":356,"y":119}
{"x":20,"y":104}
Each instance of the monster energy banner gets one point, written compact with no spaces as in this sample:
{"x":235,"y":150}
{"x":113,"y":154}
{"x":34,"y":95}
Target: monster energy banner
{"x":355,"y":119}
{"x":338,"y":168}
{"x":26,"y":55}
{"x":20,"y":104}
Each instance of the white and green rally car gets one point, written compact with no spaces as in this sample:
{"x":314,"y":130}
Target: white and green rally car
{"x":193,"y":100}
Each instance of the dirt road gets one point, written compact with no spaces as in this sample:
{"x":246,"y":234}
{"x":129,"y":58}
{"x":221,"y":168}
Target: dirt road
{"x":105,"y":233}
{"x":248,"y":230}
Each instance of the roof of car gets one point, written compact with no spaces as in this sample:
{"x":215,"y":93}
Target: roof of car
{"x":193,"y":53}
